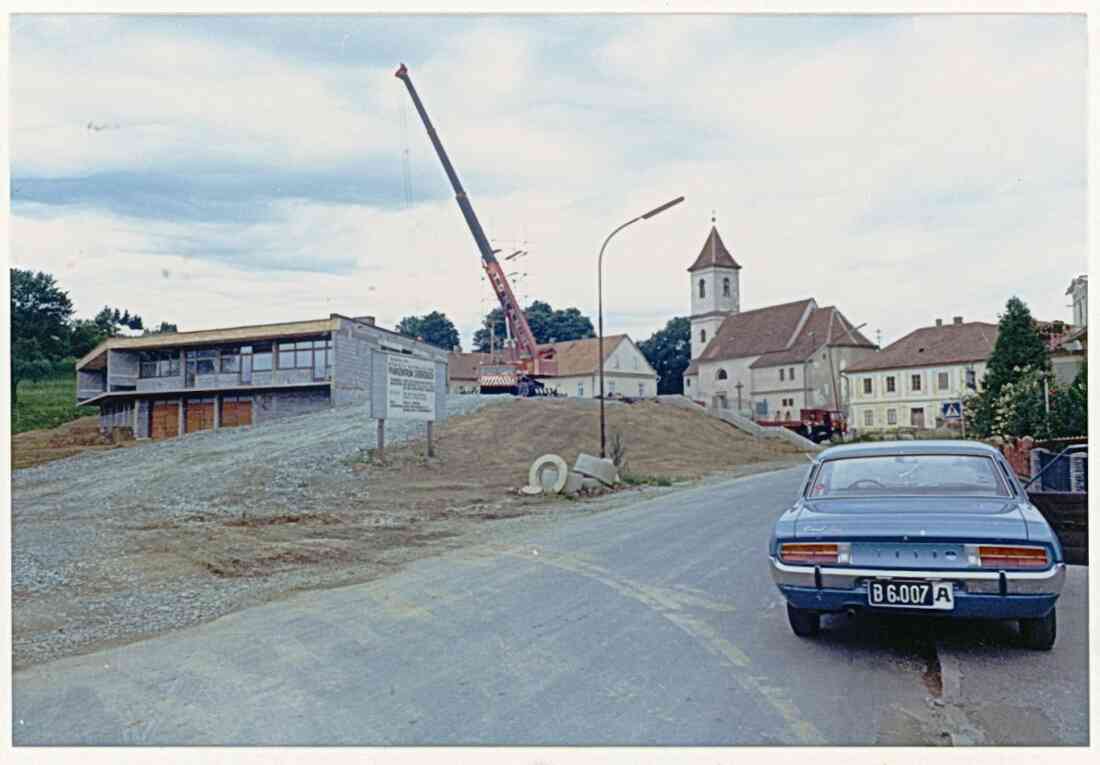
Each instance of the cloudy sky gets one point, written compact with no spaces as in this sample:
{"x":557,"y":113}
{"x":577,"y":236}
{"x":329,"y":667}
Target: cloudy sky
{"x":215,"y":171}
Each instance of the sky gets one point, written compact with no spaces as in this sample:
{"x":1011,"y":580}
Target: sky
{"x":219,"y":171}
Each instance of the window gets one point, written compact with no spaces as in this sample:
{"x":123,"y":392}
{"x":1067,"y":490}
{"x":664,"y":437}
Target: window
{"x":790,"y":373}
{"x":611,"y":387}
{"x":942,"y":380}
{"x":869,"y":418}
{"x":231,"y":360}
{"x":726,"y":287}
{"x":781,"y":371}
{"x":159,"y":364}
{"x":916,"y":417}
{"x":202,"y":362}
{"x":867,"y":385}
{"x":925,"y":474}
{"x":916,"y":382}
{"x":261,"y":356}
{"x":641,"y":389}
{"x":300,"y":354}
{"x":721,"y":375}
{"x":702,"y":336}
{"x":687,"y":381}
{"x":890,"y":384}
{"x":580,"y":390}
{"x":891,"y":416}
{"x":702,"y":288}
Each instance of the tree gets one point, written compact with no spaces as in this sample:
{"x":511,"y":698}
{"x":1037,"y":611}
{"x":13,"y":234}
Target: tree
{"x":669,"y":352}
{"x":1019,"y":347}
{"x":40,"y":312}
{"x":547,"y":325}
{"x":1020,"y":408}
{"x":164,"y":329}
{"x":110,"y":321}
{"x":433,"y":328}
{"x":1069,"y":407}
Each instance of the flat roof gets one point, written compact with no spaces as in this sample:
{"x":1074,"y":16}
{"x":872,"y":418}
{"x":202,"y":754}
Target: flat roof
{"x":205,"y":337}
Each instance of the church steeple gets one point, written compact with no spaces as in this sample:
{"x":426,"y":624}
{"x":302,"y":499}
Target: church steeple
{"x":715,"y":279}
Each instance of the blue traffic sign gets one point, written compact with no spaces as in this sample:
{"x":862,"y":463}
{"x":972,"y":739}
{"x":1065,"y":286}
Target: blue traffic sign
{"x":952,"y":410}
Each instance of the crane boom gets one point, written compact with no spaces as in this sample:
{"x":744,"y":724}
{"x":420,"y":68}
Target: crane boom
{"x":526,"y":350}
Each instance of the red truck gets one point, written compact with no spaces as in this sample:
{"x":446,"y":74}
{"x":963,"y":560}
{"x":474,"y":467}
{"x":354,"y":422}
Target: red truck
{"x":815,"y":424}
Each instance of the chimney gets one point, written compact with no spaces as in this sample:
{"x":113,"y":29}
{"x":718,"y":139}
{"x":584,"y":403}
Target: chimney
{"x":958,"y":320}
{"x":939,"y":322}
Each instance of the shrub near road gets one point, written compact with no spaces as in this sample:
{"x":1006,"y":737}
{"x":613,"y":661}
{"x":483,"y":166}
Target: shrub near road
{"x":122,"y":544}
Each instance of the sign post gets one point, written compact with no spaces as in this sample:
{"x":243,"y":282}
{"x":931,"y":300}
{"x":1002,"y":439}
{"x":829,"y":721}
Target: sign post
{"x":953,"y":410}
{"x":407,"y":387}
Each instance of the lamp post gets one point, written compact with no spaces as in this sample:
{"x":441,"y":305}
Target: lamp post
{"x":599,"y":299}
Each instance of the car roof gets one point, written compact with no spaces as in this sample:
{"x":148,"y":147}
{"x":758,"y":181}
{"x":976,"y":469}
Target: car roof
{"x":881,"y":448}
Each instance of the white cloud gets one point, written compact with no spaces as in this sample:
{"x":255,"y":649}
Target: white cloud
{"x":927,"y":167}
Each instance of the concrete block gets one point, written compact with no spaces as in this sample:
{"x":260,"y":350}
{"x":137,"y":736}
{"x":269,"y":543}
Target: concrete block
{"x":573,"y":483}
{"x":603,"y":470}
{"x":550,"y":472}
{"x":591,"y":484}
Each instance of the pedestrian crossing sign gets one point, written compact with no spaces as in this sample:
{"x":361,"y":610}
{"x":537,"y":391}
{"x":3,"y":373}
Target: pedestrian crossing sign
{"x":952,"y":410}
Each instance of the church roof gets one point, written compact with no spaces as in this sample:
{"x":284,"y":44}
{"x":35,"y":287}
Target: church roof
{"x":756,"y":332}
{"x":826,"y":326}
{"x":714,"y":253}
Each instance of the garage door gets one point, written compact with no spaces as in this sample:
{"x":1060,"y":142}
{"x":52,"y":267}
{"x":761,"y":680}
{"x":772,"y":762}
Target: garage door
{"x":200,"y":415}
{"x":164,"y":420}
{"x":236,"y":412}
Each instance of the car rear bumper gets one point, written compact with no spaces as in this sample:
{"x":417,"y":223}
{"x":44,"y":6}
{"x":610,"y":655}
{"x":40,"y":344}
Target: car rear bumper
{"x":978,"y":594}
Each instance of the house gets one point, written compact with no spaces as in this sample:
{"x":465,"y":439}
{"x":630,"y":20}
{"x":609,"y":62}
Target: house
{"x":908,"y":382}
{"x":626,"y":371}
{"x":1069,"y":350}
{"x":462,"y":371}
{"x":165,"y":385}
{"x":768,"y":363}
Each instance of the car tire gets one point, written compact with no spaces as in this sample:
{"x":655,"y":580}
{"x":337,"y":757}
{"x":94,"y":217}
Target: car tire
{"x":1039,"y":634}
{"x":804,"y":623}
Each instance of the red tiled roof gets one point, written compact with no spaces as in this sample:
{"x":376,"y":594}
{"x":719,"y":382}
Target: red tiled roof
{"x":714,"y":253}
{"x":933,"y":346}
{"x":464,"y":366}
{"x":581,"y":357}
{"x":752,"y":333}
{"x":826,"y":326}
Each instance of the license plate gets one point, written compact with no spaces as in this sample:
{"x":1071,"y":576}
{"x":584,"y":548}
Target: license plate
{"x":910,"y":593}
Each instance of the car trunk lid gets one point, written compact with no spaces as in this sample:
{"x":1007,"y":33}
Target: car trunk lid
{"x":911,"y":519}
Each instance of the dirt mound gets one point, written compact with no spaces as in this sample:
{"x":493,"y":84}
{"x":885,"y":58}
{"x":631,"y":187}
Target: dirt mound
{"x":35,"y":447}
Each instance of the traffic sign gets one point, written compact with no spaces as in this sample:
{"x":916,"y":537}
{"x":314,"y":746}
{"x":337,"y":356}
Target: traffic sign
{"x":952,"y":410}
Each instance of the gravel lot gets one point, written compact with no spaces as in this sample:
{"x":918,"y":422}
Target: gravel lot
{"x":117,"y":545}
{"x":74,"y":523}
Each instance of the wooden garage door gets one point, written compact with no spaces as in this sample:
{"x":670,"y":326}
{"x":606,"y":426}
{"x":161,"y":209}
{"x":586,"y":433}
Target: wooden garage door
{"x":164,"y":420}
{"x":200,"y":416}
{"x":236,"y":412}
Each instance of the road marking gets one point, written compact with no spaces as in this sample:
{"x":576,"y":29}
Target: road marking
{"x":670,"y":604}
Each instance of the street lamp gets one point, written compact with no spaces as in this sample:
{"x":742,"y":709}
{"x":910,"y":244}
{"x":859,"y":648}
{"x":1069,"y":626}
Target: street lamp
{"x":599,"y":298}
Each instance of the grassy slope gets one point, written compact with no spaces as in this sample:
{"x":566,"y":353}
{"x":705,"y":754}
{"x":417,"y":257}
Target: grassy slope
{"x":47,"y":404}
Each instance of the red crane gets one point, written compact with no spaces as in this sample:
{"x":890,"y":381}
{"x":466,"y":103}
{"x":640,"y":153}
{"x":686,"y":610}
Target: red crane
{"x":525,"y":356}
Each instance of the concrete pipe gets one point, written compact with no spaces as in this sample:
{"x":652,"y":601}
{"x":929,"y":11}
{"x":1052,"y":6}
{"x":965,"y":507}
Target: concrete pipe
{"x":550,"y":472}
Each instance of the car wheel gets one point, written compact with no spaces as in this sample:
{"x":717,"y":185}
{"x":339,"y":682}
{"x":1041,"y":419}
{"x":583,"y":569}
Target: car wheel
{"x":1040,"y":633}
{"x":804,"y":623}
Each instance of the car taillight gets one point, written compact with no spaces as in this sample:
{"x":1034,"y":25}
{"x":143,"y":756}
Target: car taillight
{"x":815,"y":552}
{"x":1005,"y":556}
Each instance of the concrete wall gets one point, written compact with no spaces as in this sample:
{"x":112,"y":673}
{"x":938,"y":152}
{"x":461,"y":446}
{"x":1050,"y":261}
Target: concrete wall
{"x":352,"y":343}
{"x":90,"y":384}
{"x":278,"y":404}
{"x":122,"y":369}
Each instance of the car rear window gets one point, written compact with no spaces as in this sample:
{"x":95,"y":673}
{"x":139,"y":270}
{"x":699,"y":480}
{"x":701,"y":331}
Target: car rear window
{"x":950,"y":474}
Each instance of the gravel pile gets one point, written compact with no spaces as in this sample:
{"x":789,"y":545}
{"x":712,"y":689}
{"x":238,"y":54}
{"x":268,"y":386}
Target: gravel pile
{"x":73,"y":521}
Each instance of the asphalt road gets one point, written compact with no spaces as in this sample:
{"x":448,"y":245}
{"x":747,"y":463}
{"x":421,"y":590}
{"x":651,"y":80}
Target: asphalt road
{"x":654,"y":623}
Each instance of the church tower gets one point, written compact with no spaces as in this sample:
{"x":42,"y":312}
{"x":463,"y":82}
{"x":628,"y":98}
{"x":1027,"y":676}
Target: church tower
{"x":715,"y":290}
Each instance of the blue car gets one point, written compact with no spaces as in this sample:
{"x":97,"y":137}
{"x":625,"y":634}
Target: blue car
{"x":917,"y":527}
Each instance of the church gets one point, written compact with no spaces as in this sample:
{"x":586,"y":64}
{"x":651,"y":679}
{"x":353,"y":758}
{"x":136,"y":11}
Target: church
{"x":767,"y":363}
